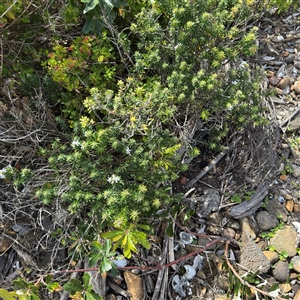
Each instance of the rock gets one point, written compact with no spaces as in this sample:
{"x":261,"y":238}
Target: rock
{"x":296,"y":263}
{"x":228,"y":232}
{"x":134,"y":285}
{"x":247,"y":228}
{"x":207,"y":203}
{"x":279,"y":91}
{"x":202,"y":241}
{"x":276,"y":208}
{"x":283,"y":177}
{"x":222,"y":282}
{"x":281,"y":271}
{"x":296,"y":170}
{"x":5,"y":243}
{"x":288,"y":197}
{"x":289,"y":205}
{"x":285,"y":287}
{"x":283,"y":83}
{"x":183,"y":180}
{"x":266,"y":221}
{"x":274,"y":80}
{"x":285,"y":239}
{"x":297,"y":208}
{"x":277,"y":39}
{"x":214,"y":223}
{"x":297,"y":87}
{"x":297,"y":296}
{"x":252,"y":257}
{"x":290,"y":59}
{"x":272,"y":256}
{"x":110,"y":297}
{"x":235,"y":225}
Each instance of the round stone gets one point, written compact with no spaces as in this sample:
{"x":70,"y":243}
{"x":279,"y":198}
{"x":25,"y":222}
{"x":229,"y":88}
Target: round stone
{"x":266,"y":221}
{"x":296,"y":263}
{"x":281,"y":271}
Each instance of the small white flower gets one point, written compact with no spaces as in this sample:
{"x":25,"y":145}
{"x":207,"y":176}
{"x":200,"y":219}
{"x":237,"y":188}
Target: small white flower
{"x":113,"y":179}
{"x":3,"y":171}
{"x":75,"y":143}
{"x":128,"y":150}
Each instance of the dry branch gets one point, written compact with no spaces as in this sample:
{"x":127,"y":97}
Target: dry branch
{"x":213,"y":163}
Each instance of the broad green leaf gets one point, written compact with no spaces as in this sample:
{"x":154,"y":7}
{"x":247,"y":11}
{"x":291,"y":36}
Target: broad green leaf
{"x":142,"y":239}
{"x":91,"y":5}
{"x":10,"y":15}
{"x":86,"y":281}
{"x":73,"y":286}
{"x":118,"y":3}
{"x":21,"y":283}
{"x":107,"y":5}
{"x":107,"y":246}
{"x":96,"y":246}
{"x":35,"y":297}
{"x":6,"y":295}
{"x":87,"y":27}
{"x":53,"y":287}
{"x":94,"y":257}
{"x":92,"y":296}
{"x":188,"y":214}
{"x":105,"y":265}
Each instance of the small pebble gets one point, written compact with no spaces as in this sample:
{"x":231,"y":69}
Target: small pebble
{"x":183,"y":180}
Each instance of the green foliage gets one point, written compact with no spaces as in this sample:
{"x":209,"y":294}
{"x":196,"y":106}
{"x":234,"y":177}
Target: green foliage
{"x":283,"y":255}
{"x":127,"y":236}
{"x":101,"y":252}
{"x":80,"y":290}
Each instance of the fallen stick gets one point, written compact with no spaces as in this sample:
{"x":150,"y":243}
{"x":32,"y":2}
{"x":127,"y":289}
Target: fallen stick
{"x":213,"y":163}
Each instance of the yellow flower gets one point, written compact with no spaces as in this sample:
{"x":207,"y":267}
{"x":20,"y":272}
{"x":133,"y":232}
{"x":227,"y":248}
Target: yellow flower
{"x":85,"y":121}
{"x":132,"y":119}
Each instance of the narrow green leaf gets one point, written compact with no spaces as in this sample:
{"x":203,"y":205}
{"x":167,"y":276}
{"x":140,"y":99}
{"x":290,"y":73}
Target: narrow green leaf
{"x":144,"y":226}
{"x":111,"y":234}
{"x":169,"y":230}
{"x":6,"y":295}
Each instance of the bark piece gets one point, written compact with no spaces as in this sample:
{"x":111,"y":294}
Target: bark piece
{"x":247,"y":208}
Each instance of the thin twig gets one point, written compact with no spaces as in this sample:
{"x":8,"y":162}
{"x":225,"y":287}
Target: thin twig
{"x":213,"y":163}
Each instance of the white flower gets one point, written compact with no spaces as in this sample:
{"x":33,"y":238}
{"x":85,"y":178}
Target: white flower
{"x":128,"y":150}
{"x":75,"y":143}
{"x":113,"y":179}
{"x":3,"y":171}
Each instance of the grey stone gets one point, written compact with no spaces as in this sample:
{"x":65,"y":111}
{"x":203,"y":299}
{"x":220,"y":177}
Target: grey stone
{"x":296,"y":263}
{"x":266,"y":221}
{"x":296,"y":170}
{"x":207,"y":203}
{"x":285,"y":239}
{"x":281,"y":271}
{"x":235,"y":225}
{"x":276,"y":208}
